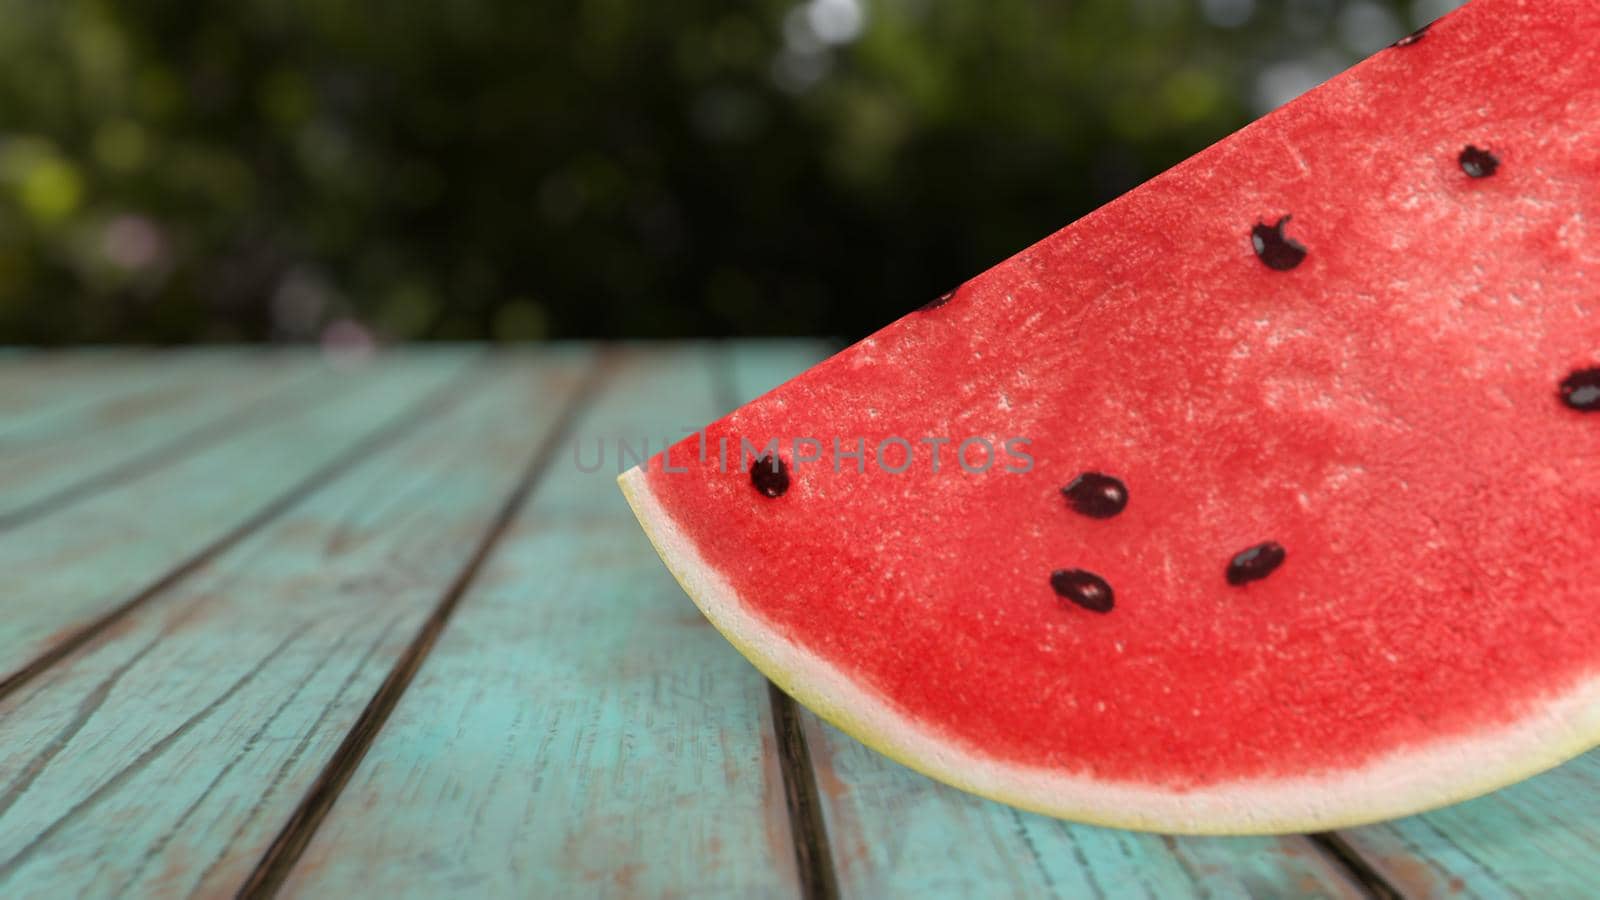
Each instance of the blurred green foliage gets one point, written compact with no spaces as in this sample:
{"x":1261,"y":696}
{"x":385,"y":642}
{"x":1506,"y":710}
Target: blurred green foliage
{"x":271,"y":169}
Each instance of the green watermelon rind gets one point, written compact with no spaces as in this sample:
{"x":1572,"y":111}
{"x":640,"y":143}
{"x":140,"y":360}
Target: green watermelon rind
{"x":1397,"y":784}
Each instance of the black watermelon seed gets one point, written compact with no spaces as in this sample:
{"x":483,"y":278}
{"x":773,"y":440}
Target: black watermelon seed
{"x":942,"y":299}
{"x":1477,"y":162}
{"x":1255,"y":563}
{"x":1275,"y":249}
{"x":770,"y":475}
{"x":1413,"y":37}
{"x":1085,"y":589}
{"x":1096,"y":496}
{"x":1581,"y":390}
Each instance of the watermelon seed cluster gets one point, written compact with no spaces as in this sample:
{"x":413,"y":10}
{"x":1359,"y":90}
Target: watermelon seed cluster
{"x":1100,"y":496}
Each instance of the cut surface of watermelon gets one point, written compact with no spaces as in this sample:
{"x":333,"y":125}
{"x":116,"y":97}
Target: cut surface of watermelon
{"x":1341,"y":367}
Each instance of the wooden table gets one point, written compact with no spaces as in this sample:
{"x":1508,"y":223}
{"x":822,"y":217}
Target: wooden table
{"x":280,"y":623}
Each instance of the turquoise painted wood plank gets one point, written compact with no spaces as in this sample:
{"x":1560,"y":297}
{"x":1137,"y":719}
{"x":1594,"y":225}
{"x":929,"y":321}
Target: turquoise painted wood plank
{"x":161,"y":760}
{"x":44,"y":397}
{"x":146,"y":428}
{"x":754,"y":367}
{"x":52,"y":396}
{"x":1538,"y":839}
{"x":578,"y":730}
{"x":65,"y":570}
{"x":896,"y":833}
{"x":31,"y":378}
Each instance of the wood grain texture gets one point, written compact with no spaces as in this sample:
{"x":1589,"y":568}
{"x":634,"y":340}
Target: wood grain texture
{"x":275,"y":864}
{"x":579,"y":730}
{"x":162,"y":758}
{"x":183,"y":407}
{"x":896,"y":833}
{"x":30,"y":379}
{"x":52,"y":395}
{"x":65,"y":570}
{"x":1539,"y":840}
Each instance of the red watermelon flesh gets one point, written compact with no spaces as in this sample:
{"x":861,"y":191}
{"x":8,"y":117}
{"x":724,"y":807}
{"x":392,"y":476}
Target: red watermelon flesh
{"x":1363,"y":332}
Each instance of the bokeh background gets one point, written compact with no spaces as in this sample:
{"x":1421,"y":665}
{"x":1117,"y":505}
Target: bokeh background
{"x":334,"y":170}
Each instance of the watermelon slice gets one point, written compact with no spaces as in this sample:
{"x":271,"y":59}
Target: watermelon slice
{"x":1267,"y":496}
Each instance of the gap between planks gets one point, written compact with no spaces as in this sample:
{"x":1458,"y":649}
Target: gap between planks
{"x":439,"y":399}
{"x":1354,"y":865}
{"x":280,"y":858}
{"x":813,"y":856}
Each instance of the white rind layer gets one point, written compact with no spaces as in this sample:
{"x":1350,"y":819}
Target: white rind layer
{"x":1401,"y":783}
